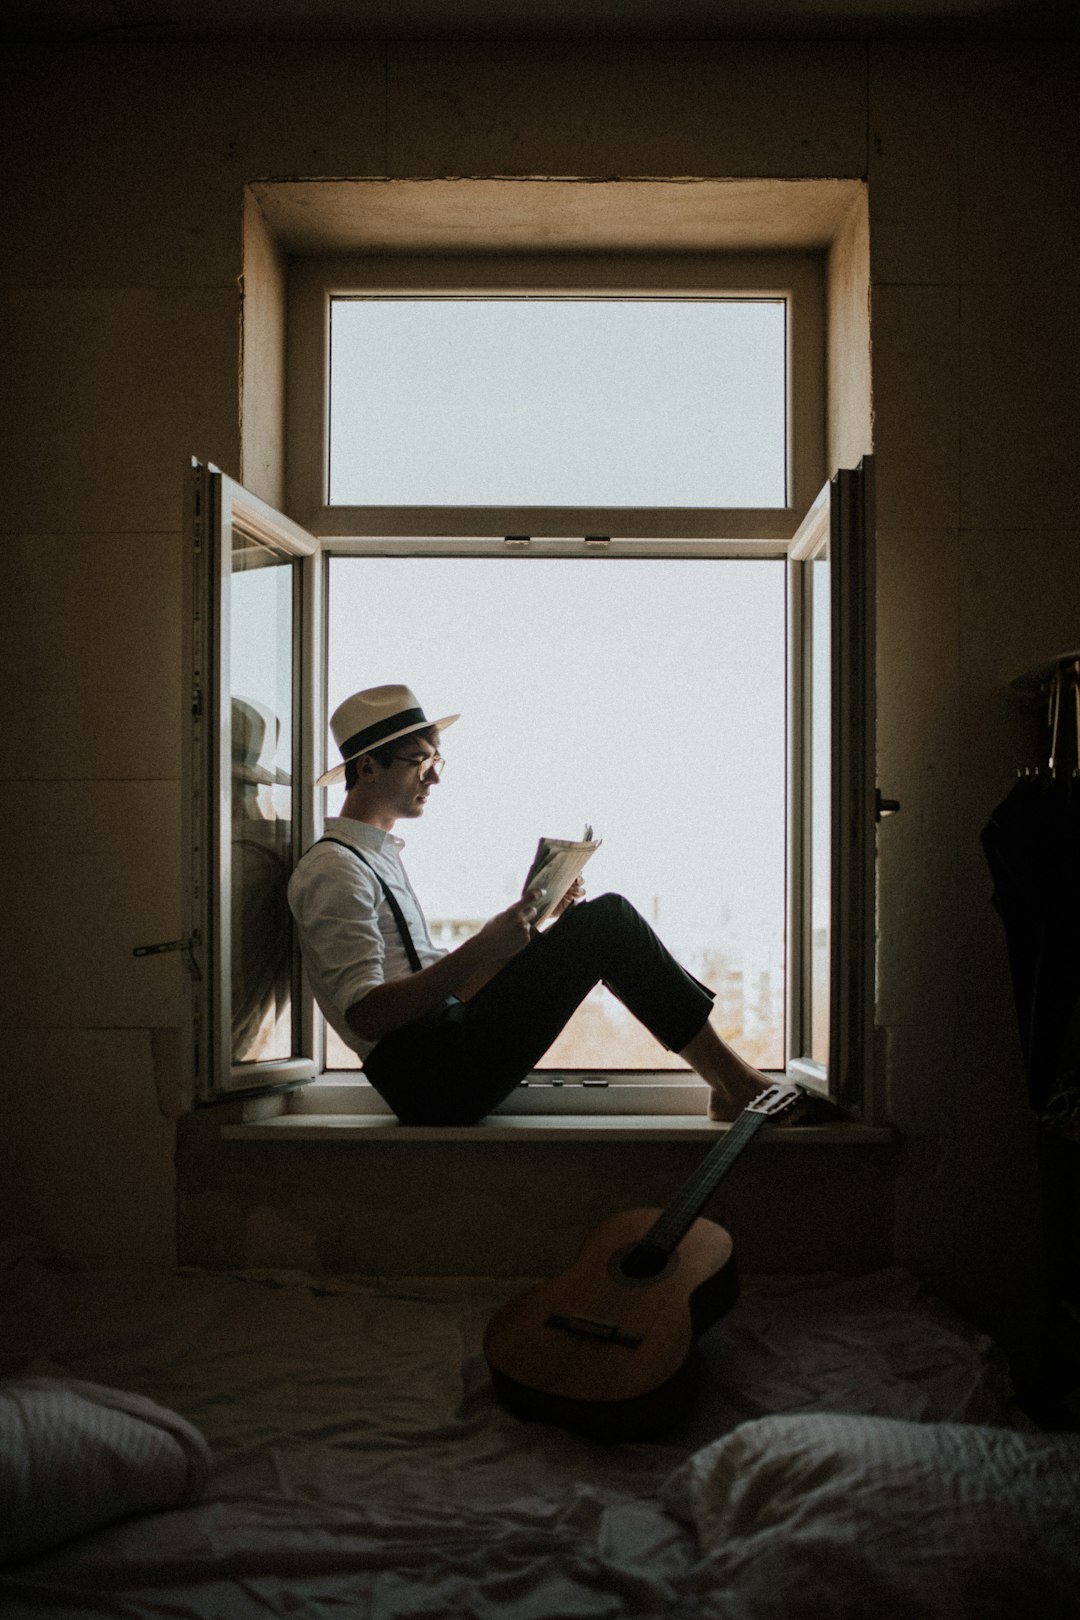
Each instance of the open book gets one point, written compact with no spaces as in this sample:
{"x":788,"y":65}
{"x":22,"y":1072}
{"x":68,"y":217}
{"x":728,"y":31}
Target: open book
{"x":556,"y":864}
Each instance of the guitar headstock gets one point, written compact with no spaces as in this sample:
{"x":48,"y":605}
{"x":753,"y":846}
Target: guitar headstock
{"x":780,"y":1099}
{"x":790,"y":1099}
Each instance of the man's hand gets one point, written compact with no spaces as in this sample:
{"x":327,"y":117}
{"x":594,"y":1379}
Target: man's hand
{"x":575,"y":892}
{"x":508,"y":932}
{"x":462,"y":973}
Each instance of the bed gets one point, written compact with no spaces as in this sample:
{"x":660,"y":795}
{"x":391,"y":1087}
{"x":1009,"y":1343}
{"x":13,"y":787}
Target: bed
{"x":327,"y":1446}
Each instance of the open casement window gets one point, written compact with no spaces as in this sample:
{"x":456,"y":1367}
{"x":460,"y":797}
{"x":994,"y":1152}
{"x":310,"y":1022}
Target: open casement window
{"x":257,"y":588}
{"x":832,"y":794}
{"x":249,"y":586}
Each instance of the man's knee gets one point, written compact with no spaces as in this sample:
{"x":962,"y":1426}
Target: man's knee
{"x":608,"y":917}
{"x":610,"y":907}
{"x":604,"y":904}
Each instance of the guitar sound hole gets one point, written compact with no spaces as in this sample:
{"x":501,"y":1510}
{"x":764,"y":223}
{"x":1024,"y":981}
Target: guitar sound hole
{"x":639,"y":1263}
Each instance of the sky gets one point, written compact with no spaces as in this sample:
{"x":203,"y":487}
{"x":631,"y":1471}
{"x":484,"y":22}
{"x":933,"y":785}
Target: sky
{"x":557,"y":402}
{"x":645,"y":697}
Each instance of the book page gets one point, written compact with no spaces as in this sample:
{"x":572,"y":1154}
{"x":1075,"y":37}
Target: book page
{"x":557,"y":862}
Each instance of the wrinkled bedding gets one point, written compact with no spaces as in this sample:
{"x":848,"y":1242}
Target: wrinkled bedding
{"x":361,"y":1465}
{"x":827,"y":1514}
{"x":74,"y":1456}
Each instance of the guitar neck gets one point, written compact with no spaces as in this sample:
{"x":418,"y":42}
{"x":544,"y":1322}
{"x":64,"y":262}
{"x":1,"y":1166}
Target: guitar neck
{"x":692,"y":1197}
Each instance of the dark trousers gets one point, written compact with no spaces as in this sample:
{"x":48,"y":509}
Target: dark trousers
{"x":455,"y":1066}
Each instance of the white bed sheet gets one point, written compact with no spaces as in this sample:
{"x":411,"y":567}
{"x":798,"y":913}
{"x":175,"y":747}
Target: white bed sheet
{"x":825,"y":1514}
{"x":362,"y":1466}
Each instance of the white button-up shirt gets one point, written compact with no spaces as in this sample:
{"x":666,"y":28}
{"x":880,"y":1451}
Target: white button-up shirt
{"x":348,"y":937}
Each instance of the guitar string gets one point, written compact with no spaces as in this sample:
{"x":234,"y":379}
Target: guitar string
{"x":683,"y":1210}
{"x":690,"y":1198}
{"x":681,"y":1213}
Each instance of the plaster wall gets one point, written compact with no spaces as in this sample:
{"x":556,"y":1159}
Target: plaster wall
{"x":121,"y":305}
{"x":262,"y":358}
{"x":497,"y":1209}
{"x":849,"y":430}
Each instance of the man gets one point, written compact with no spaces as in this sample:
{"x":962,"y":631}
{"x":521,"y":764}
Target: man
{"x":446,"y":1035}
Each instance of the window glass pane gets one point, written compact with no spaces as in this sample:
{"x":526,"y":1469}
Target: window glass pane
{"x":645,"y":697}
{"x":261,"y":654}
{"x":558,"y":402}
{"x":820,"y":782}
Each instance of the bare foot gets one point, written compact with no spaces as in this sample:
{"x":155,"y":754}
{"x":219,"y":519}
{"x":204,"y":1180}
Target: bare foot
{"x":732,"y":1082}
{"x":719,"y":1107}
{"x":740,"y":1085}
{"x":722,"y":1109}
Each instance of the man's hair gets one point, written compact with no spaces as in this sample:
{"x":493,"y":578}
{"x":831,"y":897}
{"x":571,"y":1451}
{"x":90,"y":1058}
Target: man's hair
{"x":387,"y":752}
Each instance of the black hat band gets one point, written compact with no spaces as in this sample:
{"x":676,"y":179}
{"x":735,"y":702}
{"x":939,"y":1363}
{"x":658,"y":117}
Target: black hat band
{"x":372,"y":736}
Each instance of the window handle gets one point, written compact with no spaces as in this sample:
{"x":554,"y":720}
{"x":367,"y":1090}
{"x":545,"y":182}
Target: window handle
{"x":186,"y":947}
{"x":884,"y":807}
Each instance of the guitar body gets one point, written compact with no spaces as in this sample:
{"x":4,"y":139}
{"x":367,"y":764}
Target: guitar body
{"x":609,"y":1354}
{"x":608,"y":1347}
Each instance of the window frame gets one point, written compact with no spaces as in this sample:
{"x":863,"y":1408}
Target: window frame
{"x":854,"y":815}
{"x":673,"y":533}
{"x":624,"y":1091}
{"x":796,"y":277}
{"x":214,"y":505}
{"x":839,"y":523}
{"x":839,"y":527}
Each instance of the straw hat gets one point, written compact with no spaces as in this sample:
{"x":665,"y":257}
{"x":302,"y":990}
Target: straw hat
{"x":256,"y":733}
{"x":370,"y":718}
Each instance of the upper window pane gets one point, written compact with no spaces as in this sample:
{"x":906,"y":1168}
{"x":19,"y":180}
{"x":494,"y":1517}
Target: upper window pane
{"x":627,"y":402}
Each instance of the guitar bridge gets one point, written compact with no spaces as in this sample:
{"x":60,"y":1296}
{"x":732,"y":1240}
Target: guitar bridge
{"x":588,"y":1327}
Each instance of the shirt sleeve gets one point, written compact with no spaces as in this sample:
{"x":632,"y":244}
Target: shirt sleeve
{"x":335,"y":900}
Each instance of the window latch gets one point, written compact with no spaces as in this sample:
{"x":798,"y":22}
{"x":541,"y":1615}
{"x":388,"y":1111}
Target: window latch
{"x":186,"y":947}
{"x":517,"y":540}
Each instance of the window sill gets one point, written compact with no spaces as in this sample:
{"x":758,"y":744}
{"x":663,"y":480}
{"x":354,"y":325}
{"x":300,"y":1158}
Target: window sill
{"x":328,"y":1128}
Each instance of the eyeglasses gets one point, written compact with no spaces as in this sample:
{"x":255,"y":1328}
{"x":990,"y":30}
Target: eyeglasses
{"x":425,"y":765}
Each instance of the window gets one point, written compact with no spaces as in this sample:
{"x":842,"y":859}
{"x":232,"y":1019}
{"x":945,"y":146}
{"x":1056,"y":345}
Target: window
{"x":549,"y":402}
{"x":640,"y":600}
{"x":685,"y":304}
{"x":832,"y":795}
{"x":586,"y":697}
{"x":248,"y":575}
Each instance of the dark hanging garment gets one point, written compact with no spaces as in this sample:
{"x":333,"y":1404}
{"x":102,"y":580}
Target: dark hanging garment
{"x":1032,"y":845}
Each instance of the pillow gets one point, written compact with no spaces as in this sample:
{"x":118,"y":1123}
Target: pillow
{"x":75,"y":1456}
{"x":821,"y":1514}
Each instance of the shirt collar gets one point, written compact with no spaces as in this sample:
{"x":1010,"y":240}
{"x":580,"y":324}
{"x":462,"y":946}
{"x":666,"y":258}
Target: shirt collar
{"x":361,"y":833}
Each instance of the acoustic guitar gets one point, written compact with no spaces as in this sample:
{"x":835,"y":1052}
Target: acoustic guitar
{"x":607,"y":1349}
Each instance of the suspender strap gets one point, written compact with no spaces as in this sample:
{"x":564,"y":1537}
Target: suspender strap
{"x":391,"y":900}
